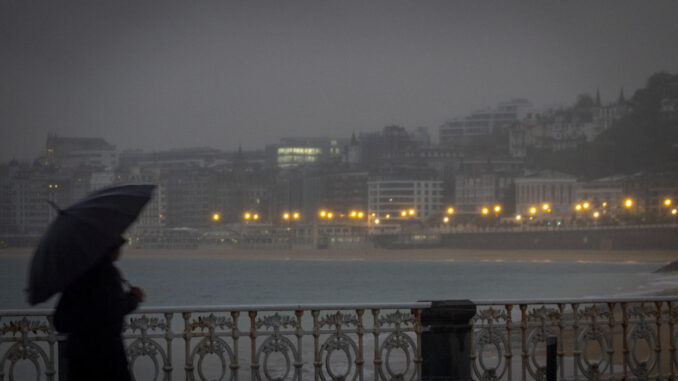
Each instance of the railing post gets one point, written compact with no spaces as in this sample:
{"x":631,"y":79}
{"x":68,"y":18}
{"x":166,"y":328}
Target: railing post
{"x":552,"y":358}
{"x":446,"y":341}
{"x":62,"y":362}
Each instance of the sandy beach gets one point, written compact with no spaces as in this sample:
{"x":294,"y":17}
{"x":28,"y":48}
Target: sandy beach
{"x":374,"y":254}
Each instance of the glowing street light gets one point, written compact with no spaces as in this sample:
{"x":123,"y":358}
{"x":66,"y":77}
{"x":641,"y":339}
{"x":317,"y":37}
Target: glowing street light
{"x":497,"y":208}
{"x":485,"y":211}
{"x":668,"y":202}
{"x":216,"y":217}
{"x":533,"y":210}
{"x":628,"y":203}
{"x":411,"y":212}
{"x":388,"y":216}
{"x":353,"y":214}
{"x":674,"y":211}
{"x":403,"y":213}
{"x":247,"y":215}
{"x":586,"y":205}
{"x":546,"y":207}
{"x":596,"y":214}
{"x":286,"y":216}
{"x":519,"y":217}
{"x":296,"y":215}
{"x":450,"y":210}
{"x":330,"y":215}
{"x":255,"y":217}
{"x":322,"y":213}
{"x":360,"y":214}
{"x":377,"y":221}
{"x":446,"y":219}
{"x":577,"y":207}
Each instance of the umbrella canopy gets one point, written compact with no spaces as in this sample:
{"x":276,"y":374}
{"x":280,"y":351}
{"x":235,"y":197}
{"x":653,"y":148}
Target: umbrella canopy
{"x":81,"y":235}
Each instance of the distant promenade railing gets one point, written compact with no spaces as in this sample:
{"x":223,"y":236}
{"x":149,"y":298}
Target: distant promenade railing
{"x":531,"y":228}
{"x":597,"y":339}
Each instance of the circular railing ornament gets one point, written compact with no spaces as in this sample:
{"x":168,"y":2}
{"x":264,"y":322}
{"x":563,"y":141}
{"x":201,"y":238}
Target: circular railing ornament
{"x":642,"y":331}
{"x":593,"y":369}
{"x":147,"y":348}
{"x":338,"y":343}
{"x":217,"y":347}
{"x":484,"y":337}
{"x":536,"y":337}
{"x":282,"y":345}
{"x":401,"y":342}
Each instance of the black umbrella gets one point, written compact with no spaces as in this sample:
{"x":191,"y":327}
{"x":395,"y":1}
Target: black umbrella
{"x":81,"y":235}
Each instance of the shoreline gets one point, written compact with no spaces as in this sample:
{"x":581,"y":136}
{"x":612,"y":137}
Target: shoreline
{"x":401,"y":255}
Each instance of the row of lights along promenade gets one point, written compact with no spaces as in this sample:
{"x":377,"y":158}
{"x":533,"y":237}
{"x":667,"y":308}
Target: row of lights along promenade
{"x":584,"y":208}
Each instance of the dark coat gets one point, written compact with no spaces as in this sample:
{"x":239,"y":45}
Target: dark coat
{"x":91,"y":312}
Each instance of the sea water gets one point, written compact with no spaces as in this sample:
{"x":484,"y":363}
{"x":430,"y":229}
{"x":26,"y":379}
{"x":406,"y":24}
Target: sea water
{"x":214,"y":281}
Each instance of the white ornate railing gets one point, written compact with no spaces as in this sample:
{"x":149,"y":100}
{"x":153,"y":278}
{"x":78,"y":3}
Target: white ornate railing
{"x":321,"y":342}
{"x":608,"y":339}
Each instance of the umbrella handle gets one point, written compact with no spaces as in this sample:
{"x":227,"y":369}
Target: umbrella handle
{"x":55,"y":206}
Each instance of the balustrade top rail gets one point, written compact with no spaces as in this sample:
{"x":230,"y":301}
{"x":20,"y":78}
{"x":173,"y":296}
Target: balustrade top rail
{"x":356,"y":306}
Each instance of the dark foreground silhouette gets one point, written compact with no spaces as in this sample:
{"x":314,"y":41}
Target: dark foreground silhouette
{"x":91,"y":312}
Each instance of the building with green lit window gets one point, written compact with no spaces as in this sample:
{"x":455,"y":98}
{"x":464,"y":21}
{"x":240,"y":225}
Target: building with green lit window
{"x":296,"y":152}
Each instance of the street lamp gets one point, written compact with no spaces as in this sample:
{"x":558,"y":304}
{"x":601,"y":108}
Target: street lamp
{"x":533,"y":210}
{"x":296,"y":216}
{"x":216,"y":217}
{"x":668,"y":202}
{"x":403,"y":213}
{"x":377,"y":221}
{"x":628,"y":203}
{"x":411,"y":212}
{"x":674,"y":211}
{"x":497,"y":209}
{"x":577,"y":207}
{"x":286,"y":216}
{"x":485,"y":211}
{"x":596,"y":214}
{"x":519,"y":217}
{"x":446,"y":219}
{"x":450,"y":210}
{"x":247,"y":215}
{"x":546,"y":207}
{"x":586,"y":205}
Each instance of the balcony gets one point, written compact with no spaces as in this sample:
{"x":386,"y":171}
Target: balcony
{"x":630,"y":338}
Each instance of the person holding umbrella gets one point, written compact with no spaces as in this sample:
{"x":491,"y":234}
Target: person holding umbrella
{"x":76,"y":257}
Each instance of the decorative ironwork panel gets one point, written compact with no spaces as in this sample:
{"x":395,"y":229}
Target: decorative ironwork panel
{"x":337,"y":344}
{"x":490,"y":332}
{"x":278,"y":357}
{"x":142,"y":333}
{"x":641,"y":330}
{"x":210,"y":334}
{"x":29,"y":339}
{"x":396,"y":327}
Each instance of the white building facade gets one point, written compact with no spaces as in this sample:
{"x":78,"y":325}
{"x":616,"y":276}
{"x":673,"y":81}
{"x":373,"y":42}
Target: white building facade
{"x":556,"y":190}
{"x":387,"y":199}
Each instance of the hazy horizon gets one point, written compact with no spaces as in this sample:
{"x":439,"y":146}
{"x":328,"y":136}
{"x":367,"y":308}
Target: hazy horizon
{"x":162,"y":75}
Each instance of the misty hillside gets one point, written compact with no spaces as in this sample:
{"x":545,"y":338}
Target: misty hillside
{"x":646,"y":139}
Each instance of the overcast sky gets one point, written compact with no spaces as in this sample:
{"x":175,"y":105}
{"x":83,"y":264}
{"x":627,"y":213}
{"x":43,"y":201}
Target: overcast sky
{"x":158,"y":75}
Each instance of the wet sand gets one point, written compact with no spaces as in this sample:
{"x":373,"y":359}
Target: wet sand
{"x":373,"y":254}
